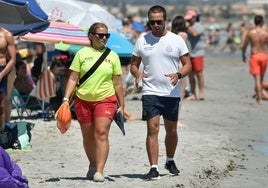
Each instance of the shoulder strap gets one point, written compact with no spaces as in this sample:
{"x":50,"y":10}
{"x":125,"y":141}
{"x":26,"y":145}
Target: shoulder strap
{"x":94,"y":67}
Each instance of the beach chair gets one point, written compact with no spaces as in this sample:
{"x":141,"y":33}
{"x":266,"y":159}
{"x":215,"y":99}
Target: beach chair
{"x":23,"y":103}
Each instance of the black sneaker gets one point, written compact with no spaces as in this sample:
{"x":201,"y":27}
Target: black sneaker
{"x":153,"y":174}
{"x":171,"y":167}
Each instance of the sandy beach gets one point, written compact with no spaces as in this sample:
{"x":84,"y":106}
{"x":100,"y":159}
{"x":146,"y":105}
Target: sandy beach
{"x":223,"y":143}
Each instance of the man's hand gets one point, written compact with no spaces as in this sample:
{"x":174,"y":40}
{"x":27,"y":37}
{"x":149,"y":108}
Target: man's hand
{"x":174,"y":78}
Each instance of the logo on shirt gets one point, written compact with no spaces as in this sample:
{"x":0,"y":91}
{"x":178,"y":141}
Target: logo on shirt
{"x":107,"y":60}
{"x":169,"y":48}
{"x":107,"y":112}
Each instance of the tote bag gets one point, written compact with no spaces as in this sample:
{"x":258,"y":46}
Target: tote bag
{"x":46,"y":85}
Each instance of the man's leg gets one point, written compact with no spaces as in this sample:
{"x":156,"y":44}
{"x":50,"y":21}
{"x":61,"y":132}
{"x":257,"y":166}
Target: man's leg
{"x":200,"y":80}
{"x":152,"y":139}
{"x":2,"y":109}
{"x":192,"y":86}
{"x":8,"y":105}
{"x":171,"y":139}
{"x":171,"y":142}
{"x":258,"y":88}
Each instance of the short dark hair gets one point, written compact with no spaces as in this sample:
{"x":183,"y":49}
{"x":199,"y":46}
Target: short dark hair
{"x":258,"y":20}
{"x":158,"y":8}
{"x":178,"y":24}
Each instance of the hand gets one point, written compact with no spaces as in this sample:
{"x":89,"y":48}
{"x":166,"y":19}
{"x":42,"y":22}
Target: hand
{"x":173,"y":78}
{"x":244,"y":58}
{"x":187,"y":24}
{"x":139,"y":78}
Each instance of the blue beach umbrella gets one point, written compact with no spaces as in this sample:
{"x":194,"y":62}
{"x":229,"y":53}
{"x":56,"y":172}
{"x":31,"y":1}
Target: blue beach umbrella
{"x":22,"y":16}
{"x":116,"y":42}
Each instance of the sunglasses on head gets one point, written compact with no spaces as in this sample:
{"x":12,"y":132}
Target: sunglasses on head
{"x":158,"y":22}
{"x":102,"y":35}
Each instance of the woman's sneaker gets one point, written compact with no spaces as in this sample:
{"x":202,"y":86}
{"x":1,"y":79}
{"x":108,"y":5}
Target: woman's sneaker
{"x":153,"y":174}
{"x":98,"y":177}
{"x":171,"y":167}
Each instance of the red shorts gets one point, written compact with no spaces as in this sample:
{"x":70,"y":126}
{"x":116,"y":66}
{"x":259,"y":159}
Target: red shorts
{"x":197,"y":63}
{"x":258,"y":63}
{"x":87,"y":111}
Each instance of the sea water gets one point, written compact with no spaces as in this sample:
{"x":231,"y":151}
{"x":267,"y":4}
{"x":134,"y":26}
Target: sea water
{"x":263,"y":148}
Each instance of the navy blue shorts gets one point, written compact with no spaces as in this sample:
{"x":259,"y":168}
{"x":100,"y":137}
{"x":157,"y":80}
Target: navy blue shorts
{"x":153,"y":105}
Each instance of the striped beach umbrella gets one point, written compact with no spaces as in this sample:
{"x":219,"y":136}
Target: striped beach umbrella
{"x":59,"y":32}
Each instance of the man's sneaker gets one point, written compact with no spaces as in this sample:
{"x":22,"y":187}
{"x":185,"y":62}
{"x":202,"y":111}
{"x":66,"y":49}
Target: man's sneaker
{"x":90,"y":173}
{"x":98,"y":177}
{"x":153,"y":174}
{"x":171,"y":167}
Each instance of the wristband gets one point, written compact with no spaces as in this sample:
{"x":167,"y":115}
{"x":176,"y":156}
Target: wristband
{"x":65,"y":99}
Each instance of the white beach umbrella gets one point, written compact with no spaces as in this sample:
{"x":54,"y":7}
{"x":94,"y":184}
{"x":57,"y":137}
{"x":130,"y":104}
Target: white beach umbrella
{"x":77,"y":12}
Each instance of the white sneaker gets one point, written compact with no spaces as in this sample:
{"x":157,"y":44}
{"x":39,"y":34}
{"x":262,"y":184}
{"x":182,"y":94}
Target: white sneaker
{"x":98,"y":177}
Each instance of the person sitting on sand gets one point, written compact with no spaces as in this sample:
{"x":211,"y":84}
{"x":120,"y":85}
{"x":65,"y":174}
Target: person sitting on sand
{"x":23,"y":82}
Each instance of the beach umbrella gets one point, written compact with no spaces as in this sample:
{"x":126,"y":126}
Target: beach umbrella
{"x":59,"y":32}
{"x":116,"y":42}
{"x":77,"y":12}
{"x":22,"y":16}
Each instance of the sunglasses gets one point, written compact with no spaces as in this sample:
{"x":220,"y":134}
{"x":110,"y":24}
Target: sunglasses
{"x":102,"y":35}
{"x":158,"y":22}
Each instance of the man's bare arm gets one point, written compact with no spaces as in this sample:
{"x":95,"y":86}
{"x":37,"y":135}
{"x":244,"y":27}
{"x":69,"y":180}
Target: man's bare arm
{"x":11,"y":54}
{"x":244,"y":47}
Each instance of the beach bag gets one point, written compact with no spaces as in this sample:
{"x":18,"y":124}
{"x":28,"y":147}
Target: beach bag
{"x":46,"y":85}
{"x":16,"y":135}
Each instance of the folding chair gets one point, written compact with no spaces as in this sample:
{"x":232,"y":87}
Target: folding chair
{"x":22,"y":104}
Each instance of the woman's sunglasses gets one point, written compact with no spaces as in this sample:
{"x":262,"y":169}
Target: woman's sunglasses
{"x":102,"y":35}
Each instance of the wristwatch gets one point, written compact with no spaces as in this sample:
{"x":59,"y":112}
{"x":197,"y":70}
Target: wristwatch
{"x":179,"y":75}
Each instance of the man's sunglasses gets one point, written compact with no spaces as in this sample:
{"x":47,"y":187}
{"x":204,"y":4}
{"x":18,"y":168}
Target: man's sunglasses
{"x":158,"y":22}
{"x":102,"y":35}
